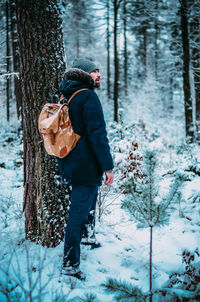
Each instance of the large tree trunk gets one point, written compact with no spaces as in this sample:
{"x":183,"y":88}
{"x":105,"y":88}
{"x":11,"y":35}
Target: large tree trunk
{"x":41,"y":69}
{"x":189,"y":128}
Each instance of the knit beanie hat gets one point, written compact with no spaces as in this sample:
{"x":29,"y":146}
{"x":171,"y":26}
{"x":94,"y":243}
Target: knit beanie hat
{"x":84,"y":64}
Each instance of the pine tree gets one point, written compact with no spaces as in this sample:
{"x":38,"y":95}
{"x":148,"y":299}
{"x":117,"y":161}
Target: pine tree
{"x":9,"y":67}
{"x":8,"y":63}
{"x":125,"y":51}
{"x":108,"y":48}
{"x":41,"y":68}
{"x":143,"y":202}
{"x":78,"y":26}
{"x":194,"y":28}
{"x":125,"y":291}
{"x":116,"y":6}
{"x":189,"y":127}
{"x":139,"y":22}
{"x":15,"y":58}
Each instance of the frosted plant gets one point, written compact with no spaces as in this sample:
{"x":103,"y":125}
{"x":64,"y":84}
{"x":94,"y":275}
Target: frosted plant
{"x":125,"y":291}
{"x":143,"y":201}
{"x":88,"y":297}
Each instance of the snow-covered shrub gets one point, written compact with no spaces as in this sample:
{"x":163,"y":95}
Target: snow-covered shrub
{"x":195,"y":198}
{"x":125,"y":149}
{"x":11,"y":133}
{"x":132,"y":163}
{"x":190,"y":278}
{"x":127,"y":141}
{"x":188,"y":164}
{"x":176,"y":295}
{"x":9,"y":288}
{"x":127,"y":159}
{"x":102,"y":205}
{"x":5,"y":205}
{"x":26,"y":274}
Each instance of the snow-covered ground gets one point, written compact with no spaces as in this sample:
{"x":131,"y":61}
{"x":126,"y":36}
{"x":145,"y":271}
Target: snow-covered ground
{"x":25,"y":266}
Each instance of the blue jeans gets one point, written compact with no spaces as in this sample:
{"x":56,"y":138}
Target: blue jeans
{"x":83,"y":201}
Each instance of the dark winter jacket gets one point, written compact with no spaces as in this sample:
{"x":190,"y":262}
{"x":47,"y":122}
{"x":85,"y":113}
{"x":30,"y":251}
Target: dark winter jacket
{"x":91,"y":157}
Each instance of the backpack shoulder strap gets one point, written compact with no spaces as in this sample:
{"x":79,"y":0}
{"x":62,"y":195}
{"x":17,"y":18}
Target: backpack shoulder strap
{"x":76,"y":92}
{"x":62,"y":97}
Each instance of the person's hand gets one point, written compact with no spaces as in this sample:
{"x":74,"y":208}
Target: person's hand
{"x":109,"y":178}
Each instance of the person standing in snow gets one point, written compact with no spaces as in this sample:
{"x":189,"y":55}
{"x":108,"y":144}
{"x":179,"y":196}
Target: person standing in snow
{"x":85,"y":165}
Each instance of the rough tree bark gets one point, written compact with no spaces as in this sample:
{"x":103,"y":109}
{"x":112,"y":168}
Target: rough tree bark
{"x":41,"y":69}
{"x":189,"y":128}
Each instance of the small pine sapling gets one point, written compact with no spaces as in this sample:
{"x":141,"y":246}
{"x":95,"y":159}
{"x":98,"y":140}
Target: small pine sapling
{"x":124,"y":291}
{"x":143,"y":201}
{"x":89,"y":297}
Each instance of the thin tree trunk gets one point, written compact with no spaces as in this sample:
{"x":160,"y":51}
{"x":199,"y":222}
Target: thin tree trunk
{"x":108,"y":48}
{"x":171,"y":92}
{"x":189,"y":127}
{"x":156,"y":40}
{"x":77,"y":45}
{"x":151,"y":237}
{"x":150,"y":263}
{"x":7,"y":63}
{"x":125,"y":51}
{"x":195,"y":53}
{"x":15,"y":55}
{"x":77,"y":17}
{"x":144,"y":29}
{"x":41,"y":69}
{"x":116,"y":61}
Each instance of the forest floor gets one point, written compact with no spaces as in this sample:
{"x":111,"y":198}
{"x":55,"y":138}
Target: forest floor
{"x":27,"y":269}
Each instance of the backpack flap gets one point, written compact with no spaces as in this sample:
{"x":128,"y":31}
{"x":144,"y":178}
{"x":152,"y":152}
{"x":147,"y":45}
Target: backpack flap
{"x":51,"y":117}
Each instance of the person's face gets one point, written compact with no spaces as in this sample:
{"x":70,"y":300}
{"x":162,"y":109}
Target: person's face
{"x":96,"y":77}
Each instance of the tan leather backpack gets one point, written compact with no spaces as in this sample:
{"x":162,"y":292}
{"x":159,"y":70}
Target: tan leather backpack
{"x":56,"y":129}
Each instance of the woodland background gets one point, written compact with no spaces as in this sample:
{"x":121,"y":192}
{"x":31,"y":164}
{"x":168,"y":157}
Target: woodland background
{"x":149,"y":58}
